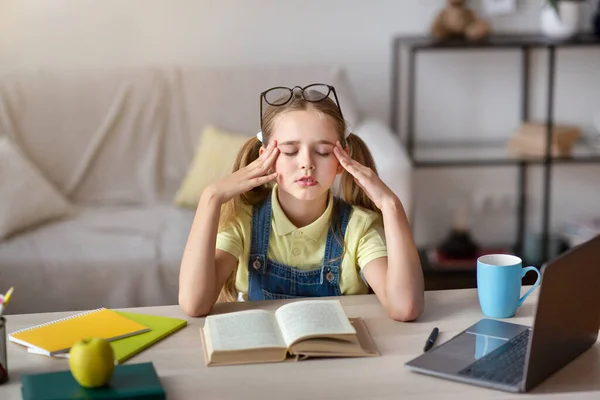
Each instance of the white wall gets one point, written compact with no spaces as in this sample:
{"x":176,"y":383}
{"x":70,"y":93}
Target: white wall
{"x":108,"y":32}
{"x":474,"y":93}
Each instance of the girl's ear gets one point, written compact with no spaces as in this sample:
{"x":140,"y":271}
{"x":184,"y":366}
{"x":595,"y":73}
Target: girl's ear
{"x":261,"y":150}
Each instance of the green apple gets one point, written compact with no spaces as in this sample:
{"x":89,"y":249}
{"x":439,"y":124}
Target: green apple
{"x":92,"y":362}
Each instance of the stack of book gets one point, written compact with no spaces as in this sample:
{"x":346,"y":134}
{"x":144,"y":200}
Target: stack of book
{"x":128,"y":333}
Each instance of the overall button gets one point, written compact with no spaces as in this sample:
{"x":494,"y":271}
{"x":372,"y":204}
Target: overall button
{"x":296,"y":251}
{"x":330,"y":277}
{"x":257,"y":264}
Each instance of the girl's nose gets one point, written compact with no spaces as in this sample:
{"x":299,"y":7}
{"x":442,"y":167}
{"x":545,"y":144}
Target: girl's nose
{"x":307,"y":163}
{"x":306,"y":160}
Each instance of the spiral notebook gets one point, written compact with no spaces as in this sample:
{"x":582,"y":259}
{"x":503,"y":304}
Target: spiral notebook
{"x":58,"y":336}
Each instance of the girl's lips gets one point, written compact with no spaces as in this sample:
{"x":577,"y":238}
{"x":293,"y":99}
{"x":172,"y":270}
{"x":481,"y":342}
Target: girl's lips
{"x":307,"y":181}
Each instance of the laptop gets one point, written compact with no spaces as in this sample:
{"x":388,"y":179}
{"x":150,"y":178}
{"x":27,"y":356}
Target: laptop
{"x":516,"y":358}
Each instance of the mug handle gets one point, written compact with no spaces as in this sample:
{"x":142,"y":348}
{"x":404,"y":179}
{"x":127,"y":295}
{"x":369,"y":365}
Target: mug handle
{"x":536,"y":284}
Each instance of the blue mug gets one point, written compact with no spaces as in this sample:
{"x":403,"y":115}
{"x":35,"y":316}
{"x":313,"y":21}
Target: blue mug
{"x":499,"y":284}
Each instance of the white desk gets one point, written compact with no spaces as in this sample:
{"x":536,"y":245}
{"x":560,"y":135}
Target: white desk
{"x":179,"y":361}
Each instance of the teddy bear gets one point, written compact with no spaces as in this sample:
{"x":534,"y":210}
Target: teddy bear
{"x":457,"y":20}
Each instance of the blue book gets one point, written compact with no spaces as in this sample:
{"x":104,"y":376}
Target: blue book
{"x":129,"y":381}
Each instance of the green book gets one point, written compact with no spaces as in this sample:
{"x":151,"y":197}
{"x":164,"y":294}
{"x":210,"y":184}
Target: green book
{"x":131,"y":381}
{"x":160,"y":327}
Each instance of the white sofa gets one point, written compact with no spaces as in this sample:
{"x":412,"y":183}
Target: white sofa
{"x":117,"y":144}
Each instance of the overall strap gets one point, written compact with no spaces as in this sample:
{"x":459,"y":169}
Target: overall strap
{"x":261,"y":230}
{"x":333,"y":248}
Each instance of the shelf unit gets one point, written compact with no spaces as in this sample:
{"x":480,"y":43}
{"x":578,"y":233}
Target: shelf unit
{"x":460,"y":154}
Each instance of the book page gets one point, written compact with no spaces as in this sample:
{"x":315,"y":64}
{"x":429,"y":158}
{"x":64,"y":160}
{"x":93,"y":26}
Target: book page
{"x":311,"y":318}
{"x":250,"y":329}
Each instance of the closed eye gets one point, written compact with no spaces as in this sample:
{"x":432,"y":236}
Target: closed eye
{"x":323,"y":151}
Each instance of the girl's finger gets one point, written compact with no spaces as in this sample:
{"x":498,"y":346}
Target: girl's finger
{"x":269,"y":148}
{"x":347,"y":163}
{"x":259,"y":162}
{"x":272,"y":146}
{"x":351,"y":169}
{"x":261,"y":180}
{"x":341,"y":153}
{"x":341,"y":148}
{"x":270,"y":160}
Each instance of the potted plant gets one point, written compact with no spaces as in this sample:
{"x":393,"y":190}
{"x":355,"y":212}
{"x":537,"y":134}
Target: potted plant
{"x":560,"y":19}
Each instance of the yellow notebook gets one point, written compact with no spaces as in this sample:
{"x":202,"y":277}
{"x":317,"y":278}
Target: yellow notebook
{"x":58,"y":336}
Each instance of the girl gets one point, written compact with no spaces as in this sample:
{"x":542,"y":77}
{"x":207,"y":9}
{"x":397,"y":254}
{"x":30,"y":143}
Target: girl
{"x":282,"y":234}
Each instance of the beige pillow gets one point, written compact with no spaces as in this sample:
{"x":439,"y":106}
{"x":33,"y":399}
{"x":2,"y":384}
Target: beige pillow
{"x":28,"y":199}
{"x":213,"y":160}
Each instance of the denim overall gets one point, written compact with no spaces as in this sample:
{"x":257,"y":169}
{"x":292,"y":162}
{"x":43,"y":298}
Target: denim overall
{"x":269,"y":280}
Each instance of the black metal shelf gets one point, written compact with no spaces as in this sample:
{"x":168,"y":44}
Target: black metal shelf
{"x":498,"y":41}
{"x":426,"y":157}
{"x":490,"y":154}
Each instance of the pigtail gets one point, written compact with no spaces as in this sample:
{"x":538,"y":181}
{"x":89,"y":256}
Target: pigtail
{"x":247,"y":154}
{"x":354,"y":194}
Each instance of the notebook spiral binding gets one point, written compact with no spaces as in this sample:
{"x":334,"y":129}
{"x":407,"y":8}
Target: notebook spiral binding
{"x":56,"y":321}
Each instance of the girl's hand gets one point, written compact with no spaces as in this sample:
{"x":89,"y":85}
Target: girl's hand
{"x":252,"y":175}
{"x":364,"y":177}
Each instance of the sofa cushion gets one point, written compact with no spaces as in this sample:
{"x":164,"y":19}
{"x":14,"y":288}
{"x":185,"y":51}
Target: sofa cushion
{"x":213,"y":160}
{"x":28,"y":199}
{"x":106,"y":257}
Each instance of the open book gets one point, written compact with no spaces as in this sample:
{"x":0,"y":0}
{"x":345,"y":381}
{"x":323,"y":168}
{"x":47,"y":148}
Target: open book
{"x":309,"y":328}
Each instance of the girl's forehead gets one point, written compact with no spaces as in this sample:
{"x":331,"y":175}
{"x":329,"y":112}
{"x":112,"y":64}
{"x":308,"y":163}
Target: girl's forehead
{"x":304,"y":125}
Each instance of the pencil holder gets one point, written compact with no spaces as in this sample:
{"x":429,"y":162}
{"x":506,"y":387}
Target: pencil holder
{"x":3,"y":358}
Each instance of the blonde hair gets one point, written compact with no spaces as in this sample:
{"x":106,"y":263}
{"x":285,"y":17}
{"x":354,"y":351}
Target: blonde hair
{"x":352,"y":193}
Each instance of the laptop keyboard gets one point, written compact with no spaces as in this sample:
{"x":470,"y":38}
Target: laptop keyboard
{"x":504,"y":365}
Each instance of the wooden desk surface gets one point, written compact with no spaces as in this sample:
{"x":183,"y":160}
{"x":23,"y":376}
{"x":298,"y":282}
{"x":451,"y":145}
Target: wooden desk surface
{"x":180,"y":364}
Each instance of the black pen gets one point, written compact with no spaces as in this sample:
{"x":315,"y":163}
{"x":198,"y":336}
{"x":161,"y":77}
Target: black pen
{"x":431,"y":339}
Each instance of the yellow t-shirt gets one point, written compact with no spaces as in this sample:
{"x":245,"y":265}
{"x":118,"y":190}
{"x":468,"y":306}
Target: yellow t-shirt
{"x":303,"y":248}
